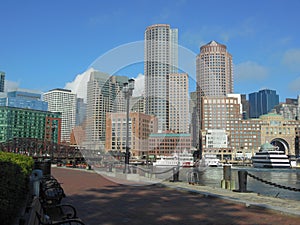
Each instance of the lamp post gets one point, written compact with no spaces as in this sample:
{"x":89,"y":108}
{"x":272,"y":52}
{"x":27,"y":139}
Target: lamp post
{"x":53,"y":140}
{"x":127,"y":90}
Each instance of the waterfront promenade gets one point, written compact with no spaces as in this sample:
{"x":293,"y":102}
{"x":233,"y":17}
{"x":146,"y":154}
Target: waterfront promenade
{"x":103,"y":202}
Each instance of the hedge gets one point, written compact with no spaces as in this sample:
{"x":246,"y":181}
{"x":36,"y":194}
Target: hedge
{"x":14,"y":182}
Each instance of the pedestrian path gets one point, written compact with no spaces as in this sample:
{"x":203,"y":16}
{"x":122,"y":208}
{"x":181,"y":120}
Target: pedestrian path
{"x":102,"y":201}
{"x":250,"y":199}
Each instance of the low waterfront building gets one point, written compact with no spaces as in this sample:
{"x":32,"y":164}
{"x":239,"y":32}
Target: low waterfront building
{"x":230,"y":137}
{"x":169,"y":143}
{"x":29,"y":123}
{"x":140,"y":128}
{"x":26,"y":99}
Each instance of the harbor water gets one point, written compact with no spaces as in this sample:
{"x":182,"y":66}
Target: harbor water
{"x":212,"y":177}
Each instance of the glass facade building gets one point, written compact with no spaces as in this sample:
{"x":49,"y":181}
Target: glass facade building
{"x":26,"y":123}
{"x":24,"y":99}
{"x":2,"y":81}
{"x":262,"y":102}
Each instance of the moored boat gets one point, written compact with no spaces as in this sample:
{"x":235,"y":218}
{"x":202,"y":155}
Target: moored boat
{"x":269,"y":156}
{"x":211,"y":160}
{"x":182,"y":159}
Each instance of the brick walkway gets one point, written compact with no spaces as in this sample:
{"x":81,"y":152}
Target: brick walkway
{"x":102,"y":202}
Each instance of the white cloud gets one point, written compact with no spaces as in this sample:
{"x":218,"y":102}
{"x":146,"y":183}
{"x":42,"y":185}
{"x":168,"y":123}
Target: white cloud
{"x":139,"y":85}
{"x":79,"y":84}
{"x":11,"y":85}
{"x":291,"y":59}
{"x":250,"y":71}
{"x":295,"y":85}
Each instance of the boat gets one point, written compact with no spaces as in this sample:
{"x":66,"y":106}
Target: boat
{"x":211,"y":160}
{"x":270,"y":156}
{"x":182,"y":159}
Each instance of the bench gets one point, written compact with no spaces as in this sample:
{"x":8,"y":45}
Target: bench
{"x":38,"y":216}
{"x":51,"y":192}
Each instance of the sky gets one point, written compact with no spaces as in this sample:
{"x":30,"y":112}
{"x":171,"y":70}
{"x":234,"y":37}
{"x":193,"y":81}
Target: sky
{"x":49,"y":44}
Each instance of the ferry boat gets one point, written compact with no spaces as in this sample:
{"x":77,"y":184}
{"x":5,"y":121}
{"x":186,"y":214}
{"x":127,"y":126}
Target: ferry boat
{"x":182,"y":159}
{"x":269,"y":156}
{"x":211,"y":160}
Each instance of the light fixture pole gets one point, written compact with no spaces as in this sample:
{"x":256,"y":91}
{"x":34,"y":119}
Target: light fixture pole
{"x":127,"y":90}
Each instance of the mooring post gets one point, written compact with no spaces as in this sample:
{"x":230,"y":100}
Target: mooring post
{"x":242,"y":174}
{"x":226,"y":183}
{"x":175,"y":174}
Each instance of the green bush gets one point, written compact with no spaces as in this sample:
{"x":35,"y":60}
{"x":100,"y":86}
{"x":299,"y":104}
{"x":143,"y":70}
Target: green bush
{"x":14,"y":173}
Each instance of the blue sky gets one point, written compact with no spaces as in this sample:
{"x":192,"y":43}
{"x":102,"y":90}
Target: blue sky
{"x":46,"y":44}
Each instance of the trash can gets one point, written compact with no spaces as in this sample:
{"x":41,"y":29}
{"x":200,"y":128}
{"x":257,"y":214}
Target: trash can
{"x":35,"y":178}
{"x":45,"y":166}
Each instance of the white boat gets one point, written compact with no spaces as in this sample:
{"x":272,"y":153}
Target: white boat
{"x":182,"y":159}
{"x":212,"y":160}
{"x":270,"y":156}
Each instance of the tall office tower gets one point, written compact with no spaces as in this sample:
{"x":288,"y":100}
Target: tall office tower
{"x":80,"y":111}
{"x":137,"y":104}
{"x":194,"y":128}
{"x":179,"y":102}
{"x":63,"y":101}
{"x":104,"y":94}
{"x":26,"y":99}
{"x":262,"y":102}
{"x":245,"y":105}
{"x":161,"y":59}
{"x":2,"y":81}
{"x":214,"y":72}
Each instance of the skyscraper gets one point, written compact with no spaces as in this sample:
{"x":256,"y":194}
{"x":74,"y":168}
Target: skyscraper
{"x":2,"y":79}
{"x":214,"y":70}
{"x":161,"y":59}
{"x":104,"y":95}
{"x":179,"y":102}
{"x":63,"y":101}
{"x":214,"y":74}
{"x":262,"y":102}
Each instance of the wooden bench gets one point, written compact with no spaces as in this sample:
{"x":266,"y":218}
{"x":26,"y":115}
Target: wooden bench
{"x":38,"y":216}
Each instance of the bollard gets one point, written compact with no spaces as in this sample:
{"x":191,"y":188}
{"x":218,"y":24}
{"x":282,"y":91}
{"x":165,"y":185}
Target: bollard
{"x":134,"y":169}
{"x":242,"y":174}
{"x":227,"y":172}
{"x":36,"y":176}
{"x":175,"y":174}
{"x":110,"y":166}
{"x":226,"y":182}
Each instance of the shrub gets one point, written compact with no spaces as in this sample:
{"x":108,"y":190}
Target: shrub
{"x":14,"y":182}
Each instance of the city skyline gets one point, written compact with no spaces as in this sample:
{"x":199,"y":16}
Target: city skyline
{"x":47,"y":45}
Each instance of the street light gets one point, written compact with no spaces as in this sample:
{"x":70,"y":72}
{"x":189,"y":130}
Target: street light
{"x":127,"y":90}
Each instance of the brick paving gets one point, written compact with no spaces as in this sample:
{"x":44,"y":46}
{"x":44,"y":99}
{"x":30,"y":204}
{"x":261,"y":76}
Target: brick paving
{"x":103,"y":202}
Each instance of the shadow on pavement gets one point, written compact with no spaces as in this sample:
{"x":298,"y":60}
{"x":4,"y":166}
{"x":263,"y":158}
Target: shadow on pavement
{"x":100,"y":201}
